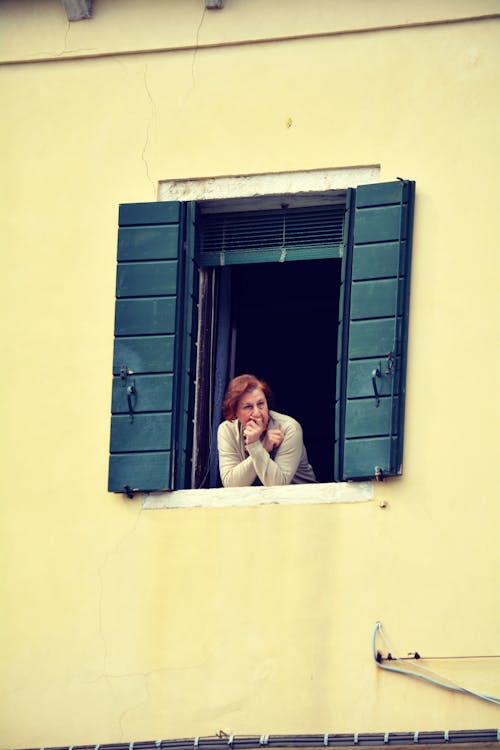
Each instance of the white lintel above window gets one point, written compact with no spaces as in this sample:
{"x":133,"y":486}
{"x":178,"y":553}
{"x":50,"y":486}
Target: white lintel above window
{"x":277,"y":183}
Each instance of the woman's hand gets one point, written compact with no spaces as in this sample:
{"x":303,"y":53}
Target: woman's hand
{"x":273,"y":438}
{"x":253,"y":430}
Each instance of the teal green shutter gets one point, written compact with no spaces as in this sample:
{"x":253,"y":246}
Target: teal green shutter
{"x":373,"y":329}
{"x":150,"y":314}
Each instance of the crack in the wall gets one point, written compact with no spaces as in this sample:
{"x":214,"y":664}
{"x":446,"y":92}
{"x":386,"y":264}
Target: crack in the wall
{"x":65,"y":43}
{"x":145,"y":676}
{"x":150,"y":672}
{"x":121,"y":717}
{"x":196,"y":47}
{"x":193,"y":59}
{"x":76,"y":50}
{"x":148,"y":128}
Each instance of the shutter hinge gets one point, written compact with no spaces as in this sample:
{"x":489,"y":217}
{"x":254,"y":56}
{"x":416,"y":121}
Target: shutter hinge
{"x":379,"y":474}
{"x":390,"y":363}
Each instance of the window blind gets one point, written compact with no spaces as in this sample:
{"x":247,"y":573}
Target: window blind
{"x":271,"y":235}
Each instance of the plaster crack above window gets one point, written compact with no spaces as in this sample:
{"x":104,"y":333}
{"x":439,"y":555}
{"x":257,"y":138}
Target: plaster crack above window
{"x":196,"y":46}
{"x":151,"y":119}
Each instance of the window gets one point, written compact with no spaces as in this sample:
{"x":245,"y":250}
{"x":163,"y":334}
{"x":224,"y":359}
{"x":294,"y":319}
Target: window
{"x":271,"y":300}
{"x":324,"y":290}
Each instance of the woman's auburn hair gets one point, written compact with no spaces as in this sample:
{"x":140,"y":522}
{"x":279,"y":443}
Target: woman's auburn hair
{"x":237,"y":388}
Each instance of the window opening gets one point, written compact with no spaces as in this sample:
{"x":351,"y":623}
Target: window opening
{"x":276,"y":319}
{"x":286,"y":317}
{"x":279,"y":321}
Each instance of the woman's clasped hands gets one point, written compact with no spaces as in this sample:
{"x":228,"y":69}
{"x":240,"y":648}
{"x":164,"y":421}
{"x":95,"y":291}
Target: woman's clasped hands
{"x":273,"y":438}
{"x":255,"y":427}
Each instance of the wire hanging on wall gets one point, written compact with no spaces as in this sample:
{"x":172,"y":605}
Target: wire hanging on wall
{"x":435,"y":679}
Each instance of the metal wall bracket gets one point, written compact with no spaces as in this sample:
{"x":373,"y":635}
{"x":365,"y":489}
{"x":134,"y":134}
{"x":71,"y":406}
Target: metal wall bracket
{"x":77,"y":10}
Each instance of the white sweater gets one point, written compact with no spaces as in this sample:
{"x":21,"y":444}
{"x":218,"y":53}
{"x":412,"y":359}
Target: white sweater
{"x":240,"y":465}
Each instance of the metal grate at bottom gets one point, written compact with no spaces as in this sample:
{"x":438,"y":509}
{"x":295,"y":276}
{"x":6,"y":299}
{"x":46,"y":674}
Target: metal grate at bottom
{"x":481,"y":737}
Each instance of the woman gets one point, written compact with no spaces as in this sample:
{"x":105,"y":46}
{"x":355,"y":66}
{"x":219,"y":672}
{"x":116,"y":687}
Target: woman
{"x":256,"y":445}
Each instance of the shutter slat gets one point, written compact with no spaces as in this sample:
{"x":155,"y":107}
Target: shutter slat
{"x":152,"y":393}
{"x":142,"y":214}
{"x":148,"y":243}
{"x":360,"y":378}
{"x":374,"y":299}
{"x":145,"y":316}
{"x":369,"y":452}
{"x":144,"y":432}
{"x":139,"y":471}
{"x":379,"y":194}
{"x":364,"y":418}
{"x":380,"y":224}
{"x":371,"y":338}
{"x":146,"y":279}
{"x":377,"y":261}
{"x":144,"y":355}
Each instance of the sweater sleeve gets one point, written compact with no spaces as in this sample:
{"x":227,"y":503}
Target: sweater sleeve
{"x":283,"y":468}
{"x":235,"y":470}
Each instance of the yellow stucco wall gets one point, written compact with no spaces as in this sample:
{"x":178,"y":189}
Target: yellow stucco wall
{"x":125,"y":624}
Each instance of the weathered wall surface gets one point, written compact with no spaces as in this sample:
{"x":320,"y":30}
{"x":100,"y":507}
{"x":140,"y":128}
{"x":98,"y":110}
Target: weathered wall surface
{"x":126,"y":624}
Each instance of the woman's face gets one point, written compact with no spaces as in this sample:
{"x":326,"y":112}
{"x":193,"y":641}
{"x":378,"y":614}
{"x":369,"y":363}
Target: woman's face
{"x":253,"y":405}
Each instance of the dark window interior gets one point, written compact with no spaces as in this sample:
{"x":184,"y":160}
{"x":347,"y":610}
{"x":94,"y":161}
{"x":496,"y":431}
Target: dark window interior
{"x":286,"y":320}
{"x":275,"y":319}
